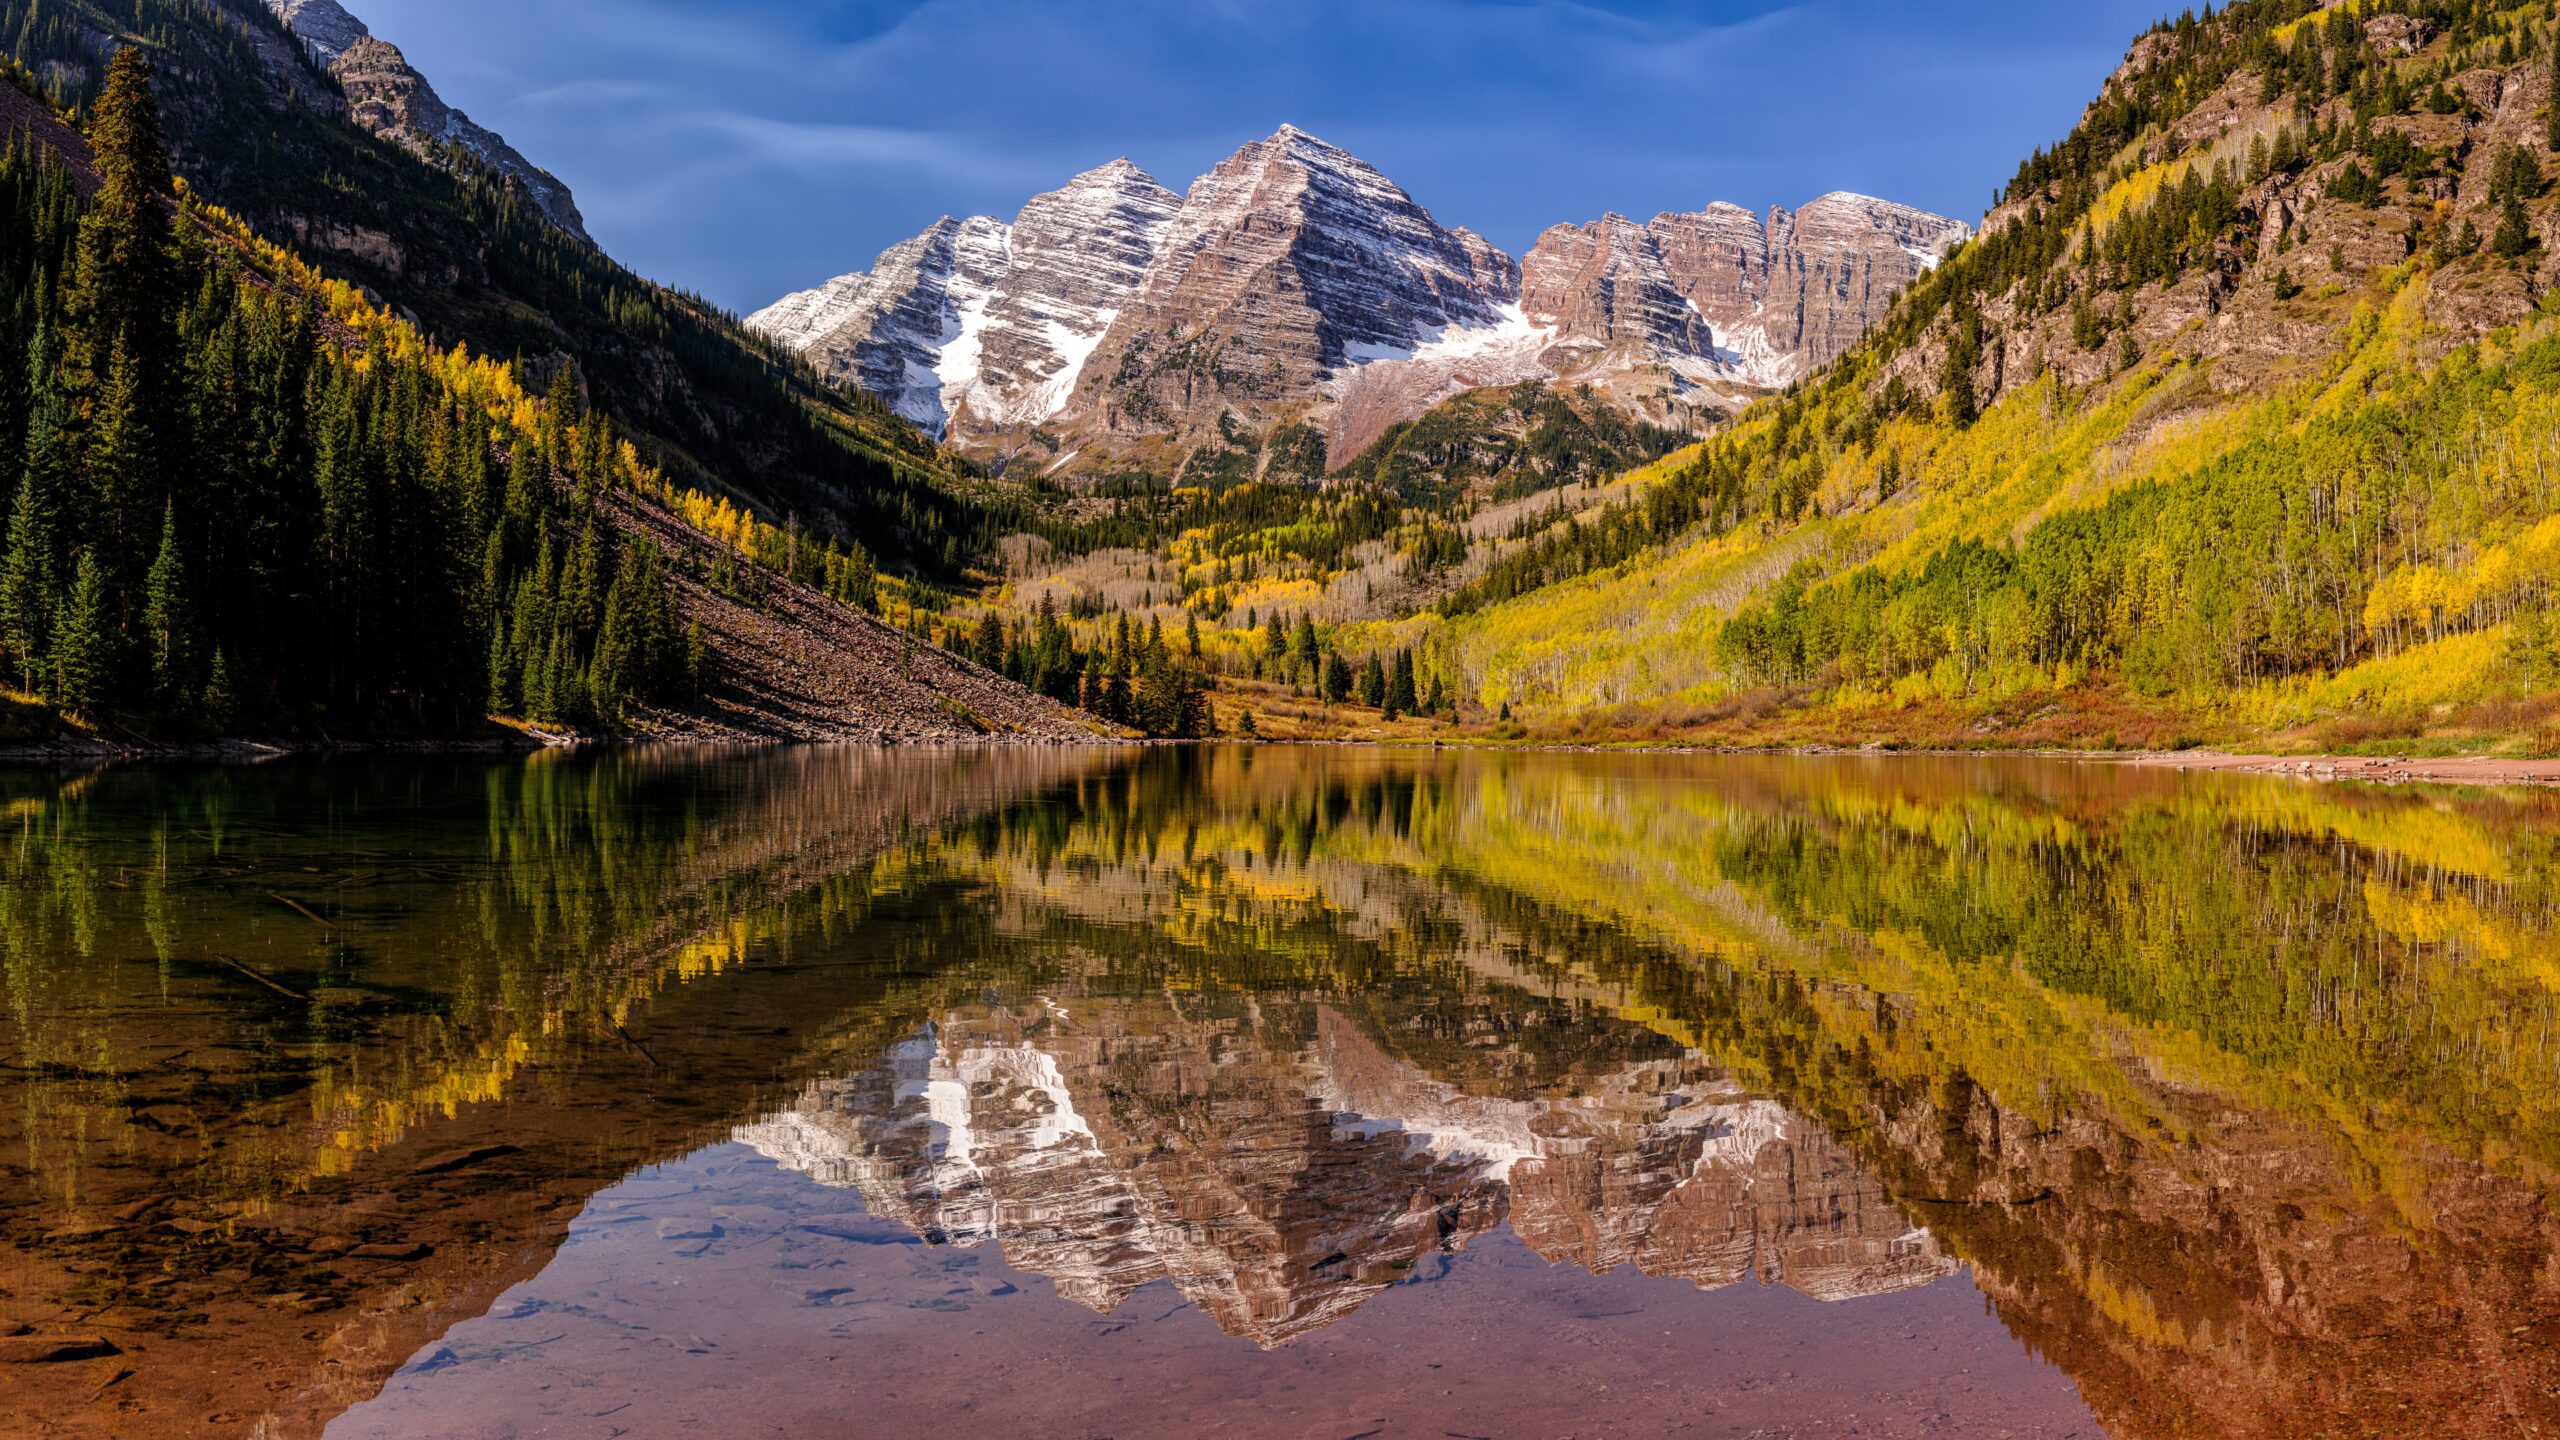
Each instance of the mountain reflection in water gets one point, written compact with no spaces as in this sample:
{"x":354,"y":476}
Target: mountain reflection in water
{"x":2225,"y":1101}
{"x":1280,"y":1168}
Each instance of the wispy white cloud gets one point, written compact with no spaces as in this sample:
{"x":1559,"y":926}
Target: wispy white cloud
{"x":591,"y":94}
{"x":823,"y":146}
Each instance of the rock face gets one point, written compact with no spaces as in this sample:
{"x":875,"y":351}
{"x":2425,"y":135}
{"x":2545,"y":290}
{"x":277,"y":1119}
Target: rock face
{"x":1109,"y":1144}
{"x":1607,"y":283}
{"x":324,"y":25}
{"x":984,"y":318}
{"x":1782,"y":297}
{"x":388,"y":97}
{"x":1298,"y":253}
{"x":1294,"y":283}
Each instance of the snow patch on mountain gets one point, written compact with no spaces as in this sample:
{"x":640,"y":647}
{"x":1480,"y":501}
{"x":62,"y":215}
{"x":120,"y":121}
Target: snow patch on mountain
{"x":982,"y":317}
{"x":1750,"y":356}
{"x":1511,"y":334}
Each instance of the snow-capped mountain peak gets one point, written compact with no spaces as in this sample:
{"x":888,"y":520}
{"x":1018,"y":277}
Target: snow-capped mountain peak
{"x":982,"y":317}
{"x":1295,"y":282}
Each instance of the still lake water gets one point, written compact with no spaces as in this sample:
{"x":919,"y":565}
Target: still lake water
{"x":1057,"y":1095}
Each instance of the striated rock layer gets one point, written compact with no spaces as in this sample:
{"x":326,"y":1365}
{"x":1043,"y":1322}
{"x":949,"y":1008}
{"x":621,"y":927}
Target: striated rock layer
{"x":1110,"y":1144}
{"x":1295,"y":283}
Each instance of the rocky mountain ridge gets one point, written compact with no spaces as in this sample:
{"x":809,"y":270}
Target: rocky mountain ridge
{"x":1295,"y":284}
{"x":388,"y":97}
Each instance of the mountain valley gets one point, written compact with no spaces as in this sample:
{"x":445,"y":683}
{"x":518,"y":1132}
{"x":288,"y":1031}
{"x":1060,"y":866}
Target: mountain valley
{"x":1283,"y":454}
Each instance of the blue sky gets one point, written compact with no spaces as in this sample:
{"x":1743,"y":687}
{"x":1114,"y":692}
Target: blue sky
{"x":744,"y":148}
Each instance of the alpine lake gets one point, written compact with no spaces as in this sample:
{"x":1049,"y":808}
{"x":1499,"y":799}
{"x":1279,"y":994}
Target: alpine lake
{"x":1307,"y":1093}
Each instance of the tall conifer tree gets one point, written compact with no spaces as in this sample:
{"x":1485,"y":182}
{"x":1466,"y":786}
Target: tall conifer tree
{"x":83,"y":648}
{"x":124,"y":289}
{"x":29,"y":587}
{"x":169,"y":622}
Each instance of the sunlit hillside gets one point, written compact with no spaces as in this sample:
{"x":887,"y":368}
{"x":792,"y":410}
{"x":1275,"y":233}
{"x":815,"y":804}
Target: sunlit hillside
{"x":2234,"y":425}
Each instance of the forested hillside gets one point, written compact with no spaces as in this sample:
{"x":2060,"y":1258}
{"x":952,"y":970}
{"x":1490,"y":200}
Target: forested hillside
{"x":253,"y":502}
{"x":257,"y":128}
{"x":2237,"y":422}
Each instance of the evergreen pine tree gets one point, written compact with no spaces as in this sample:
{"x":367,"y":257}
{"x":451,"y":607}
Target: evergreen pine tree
{"x":1373,"y":682}
{"x":82,"y":665}
{"x":987,"y":648}
{"x":124,"y":291}
{"x":583,"y":584}
{"x":1116,"y":707}
{"x":169,"y":622}
{"x":221,"y":703}
{"x":2515,"y":231}
{"x":1438,"y":700}
{"x":30,"y":589}
{"x":561,"y":411}
{"x":1336,"y":678}
{"x":862,"y":587}
{"x":122,"y":468}
{"x":501,"y":698}
{"x":528,"y":498}
{"x":1401,"y":699}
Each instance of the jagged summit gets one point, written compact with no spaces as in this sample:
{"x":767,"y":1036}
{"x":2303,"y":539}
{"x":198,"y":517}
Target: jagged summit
{"x":1294,"y":282}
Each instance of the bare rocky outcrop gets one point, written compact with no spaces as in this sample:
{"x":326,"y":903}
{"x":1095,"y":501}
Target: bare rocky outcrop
{"x":2399,"y":34}
{"x":1607,"y":282}
{"x":1726,"y":299}
{"x":388,"y":97}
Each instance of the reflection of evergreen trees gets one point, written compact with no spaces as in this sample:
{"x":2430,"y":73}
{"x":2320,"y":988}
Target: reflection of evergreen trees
{"x":233,"y":513}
